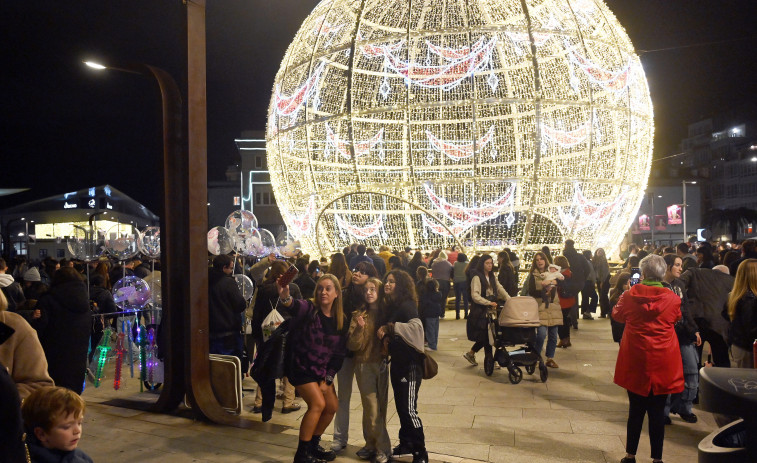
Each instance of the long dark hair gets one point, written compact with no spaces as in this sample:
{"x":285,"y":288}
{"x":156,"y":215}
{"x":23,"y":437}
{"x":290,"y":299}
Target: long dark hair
{"x":617,"y":290}
{"x":404,"y":288}
{"x":471,"y":268}
{"x":492,"y":281}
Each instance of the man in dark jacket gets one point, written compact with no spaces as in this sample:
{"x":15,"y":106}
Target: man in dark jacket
{"x":684,"y":252}
{"x":378,"y":262}
{"x":748,"y":251}
{"x":707,"y":292}
{"x":579,"y":268}
{"x":225,"y":304}
{"x":360,"y":257}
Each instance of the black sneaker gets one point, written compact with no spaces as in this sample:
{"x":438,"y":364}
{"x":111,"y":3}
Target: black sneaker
{"x":306,"y":457}
{"x":402,"y":449}
{"x":668,"y":420}
{"x":323,"y":454}
{"x":420,"y":457}
{"x":688,"y":417}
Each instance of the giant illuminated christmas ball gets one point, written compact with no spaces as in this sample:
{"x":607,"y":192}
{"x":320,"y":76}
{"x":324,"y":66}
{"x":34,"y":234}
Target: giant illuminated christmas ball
{"x":480,"y":123}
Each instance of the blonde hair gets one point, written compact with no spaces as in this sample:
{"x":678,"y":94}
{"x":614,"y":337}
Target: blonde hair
{"x":746,"y":280}
{"x":46,"y":405}
{"x":337,"y":307}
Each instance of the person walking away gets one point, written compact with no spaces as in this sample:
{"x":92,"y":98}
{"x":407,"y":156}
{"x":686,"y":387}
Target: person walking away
{"x":589,"y":291}
{"x":602,"y":270}
{"x":64,"y":334}
{"x":579,"y":269}
{"x":441,"y":271}
{"x":649,"y":362}
{"x":688,"y":337}
{"x":430,"y":308}
{"x":507,"y":275}
{"x":707,"y":293}
{"x":225,"y":307}
{"x":460,"y":283}
{"x":550,"y":313}
{"x":372,"y":374}
{"x":567,"y":301}
{"x":742,"y":311}
{"x":485,"y":292}
{"x":318,"y":334}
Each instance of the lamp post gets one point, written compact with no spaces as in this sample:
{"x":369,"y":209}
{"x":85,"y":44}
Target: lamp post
{"x":684,"y":182}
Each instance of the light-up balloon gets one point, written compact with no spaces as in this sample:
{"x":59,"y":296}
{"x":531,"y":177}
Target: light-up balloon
{"x":131,"y":293}
{"x":220,"y":241}
{"x":121,"y":242}
{"x":149,"y":242}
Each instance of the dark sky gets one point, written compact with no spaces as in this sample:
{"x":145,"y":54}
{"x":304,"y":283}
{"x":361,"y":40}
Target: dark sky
{"x":65,"y":128}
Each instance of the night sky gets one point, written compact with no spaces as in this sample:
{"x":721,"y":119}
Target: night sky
{"x":65,"y":127}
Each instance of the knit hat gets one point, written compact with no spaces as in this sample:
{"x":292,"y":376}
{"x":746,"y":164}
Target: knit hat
{"x":32,"y":275}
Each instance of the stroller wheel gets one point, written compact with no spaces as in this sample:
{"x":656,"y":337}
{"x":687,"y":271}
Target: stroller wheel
{"x":543,"y":372}
{"x":488,"y":364}
{"x":530,"y":369}
{"x":515,"y":375}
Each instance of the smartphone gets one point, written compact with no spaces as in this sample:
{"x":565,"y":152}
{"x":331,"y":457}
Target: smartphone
{"x":288,"y":276}
{"x":635,"y":276}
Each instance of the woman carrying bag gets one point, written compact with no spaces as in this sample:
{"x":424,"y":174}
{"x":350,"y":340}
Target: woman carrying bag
{"x":485,"y":292}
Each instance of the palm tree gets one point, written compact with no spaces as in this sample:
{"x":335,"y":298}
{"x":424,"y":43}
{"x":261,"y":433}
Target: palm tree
{"x":731,"y":219}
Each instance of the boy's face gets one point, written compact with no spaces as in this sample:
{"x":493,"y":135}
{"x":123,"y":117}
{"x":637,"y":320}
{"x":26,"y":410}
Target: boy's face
{"x":64,"y":435}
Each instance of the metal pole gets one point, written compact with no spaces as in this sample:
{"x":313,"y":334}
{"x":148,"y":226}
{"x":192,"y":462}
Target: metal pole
{"x":684,"y":210}
{"x":654,"y":217}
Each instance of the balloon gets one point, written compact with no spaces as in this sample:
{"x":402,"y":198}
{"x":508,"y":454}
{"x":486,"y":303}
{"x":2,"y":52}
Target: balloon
{"x":240,"y":223}
{"x":249,"y":245}
{"x":149,"y":242}
{"x":288,"y":246}
{"x":121,"y":241}
{"x":82,"y":248}
{"x":245,"y":285}
{"x":267,"y":243}
{"x":220,"y":241}
{"x":131,"y":293}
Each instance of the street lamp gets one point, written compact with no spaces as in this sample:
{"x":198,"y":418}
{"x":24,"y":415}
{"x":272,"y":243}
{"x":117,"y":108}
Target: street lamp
{"x":684,"y":182}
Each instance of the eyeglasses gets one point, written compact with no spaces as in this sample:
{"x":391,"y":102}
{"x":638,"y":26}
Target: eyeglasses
{"x":354,"y":270}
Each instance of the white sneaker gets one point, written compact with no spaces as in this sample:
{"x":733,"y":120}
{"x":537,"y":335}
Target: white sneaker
{"x":337,"y":446}
{"x":470,"y":357}
{"x":380,"y":458}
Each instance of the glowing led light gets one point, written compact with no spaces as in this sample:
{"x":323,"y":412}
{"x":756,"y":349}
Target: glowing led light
{"x":427,"y":124}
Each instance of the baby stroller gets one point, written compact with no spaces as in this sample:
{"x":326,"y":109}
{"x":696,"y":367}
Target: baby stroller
{"x":515,"y":324}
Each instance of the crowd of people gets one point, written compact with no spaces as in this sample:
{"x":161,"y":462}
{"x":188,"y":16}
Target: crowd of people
{"x":373,"y":317}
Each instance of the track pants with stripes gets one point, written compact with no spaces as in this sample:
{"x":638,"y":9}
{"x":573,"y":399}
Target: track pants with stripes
{"x":406,"y":388}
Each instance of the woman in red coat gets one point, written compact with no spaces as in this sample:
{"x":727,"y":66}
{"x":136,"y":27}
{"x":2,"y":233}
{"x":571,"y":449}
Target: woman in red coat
{"x":649,"y":362}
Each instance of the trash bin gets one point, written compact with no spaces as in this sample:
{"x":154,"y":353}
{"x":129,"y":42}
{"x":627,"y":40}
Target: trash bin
{"x":730,"y":391}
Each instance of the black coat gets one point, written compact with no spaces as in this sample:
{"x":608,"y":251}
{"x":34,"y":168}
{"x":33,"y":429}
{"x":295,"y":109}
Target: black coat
{"x":430,"y":304}
{"x":65,"y":335}
{"x":270,"y":364}
{"x":225,"y":303}
{"x":11,"y":426}
{"x":744,"y":325}
{"x":104,"y":299}
{"x":267,"y":298}
{"x":579,"y":269}
{"x":508,"y":278}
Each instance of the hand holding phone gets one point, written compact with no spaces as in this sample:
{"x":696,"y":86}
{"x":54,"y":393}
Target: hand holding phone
{"x":635,"y":276}
{"x":288,"y":276}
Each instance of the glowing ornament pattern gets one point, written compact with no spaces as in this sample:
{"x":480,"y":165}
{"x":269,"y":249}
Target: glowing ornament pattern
{"x":362,"y":148}
{"x":614,"y":81}
{"x":438,"y":78}
{"x":470,"y":216}
{"x":152,"y":356}
{"x":446,"y":76}
{"x":360,"y":232}
{"x":458,"y":152}
{"x":587,"y":213}
{"x":566,"y":138}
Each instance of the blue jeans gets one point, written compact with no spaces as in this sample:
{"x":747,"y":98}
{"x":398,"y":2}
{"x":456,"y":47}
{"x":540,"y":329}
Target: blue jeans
{"x":681,"y":403}
{"x":431,"y":325}
{"x":461,"y":292}
{"x":549,"y":333}
{"x":227,"y":345}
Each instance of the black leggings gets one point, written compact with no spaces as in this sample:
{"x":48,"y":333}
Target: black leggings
{"x":564,"y":330}
{"x":487,"y":348}
{"x":654,"y":407}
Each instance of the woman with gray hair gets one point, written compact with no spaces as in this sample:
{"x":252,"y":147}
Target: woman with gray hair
{"x":649,"y":362}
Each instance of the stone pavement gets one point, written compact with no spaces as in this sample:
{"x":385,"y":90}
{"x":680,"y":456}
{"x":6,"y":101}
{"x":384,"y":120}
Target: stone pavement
{"x":578,"y":415}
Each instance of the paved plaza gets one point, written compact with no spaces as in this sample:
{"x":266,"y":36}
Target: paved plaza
{"x":578,"y":415}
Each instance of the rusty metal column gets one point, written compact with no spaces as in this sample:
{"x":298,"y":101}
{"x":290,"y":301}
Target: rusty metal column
{"x":199,"y":389}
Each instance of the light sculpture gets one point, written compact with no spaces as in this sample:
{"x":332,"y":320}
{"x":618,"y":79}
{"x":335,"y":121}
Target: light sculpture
{"x":480,"y":123}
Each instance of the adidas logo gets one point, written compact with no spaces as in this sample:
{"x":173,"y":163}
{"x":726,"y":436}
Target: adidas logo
{"x":403,"y":380}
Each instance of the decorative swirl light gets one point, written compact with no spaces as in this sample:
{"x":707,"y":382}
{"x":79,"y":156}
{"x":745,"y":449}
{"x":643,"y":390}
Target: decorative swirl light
{"x":482,"y":123}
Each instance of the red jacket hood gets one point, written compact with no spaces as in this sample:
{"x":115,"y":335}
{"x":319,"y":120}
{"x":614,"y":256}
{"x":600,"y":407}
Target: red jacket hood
{"x":648,"y":298}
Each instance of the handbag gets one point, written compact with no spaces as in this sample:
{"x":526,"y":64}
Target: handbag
{"x":430,"y":367}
